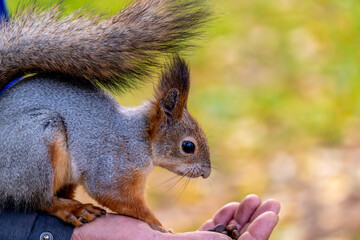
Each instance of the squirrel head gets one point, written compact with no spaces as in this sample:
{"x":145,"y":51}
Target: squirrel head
{"x":178,"y":142}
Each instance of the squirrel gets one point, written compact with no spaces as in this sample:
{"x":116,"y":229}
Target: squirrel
{"x":62,"y":127}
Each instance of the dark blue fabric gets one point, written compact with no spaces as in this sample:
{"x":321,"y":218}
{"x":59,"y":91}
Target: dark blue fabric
{"x":3,"y":10}
{"x":16,"y":226}
{"x":30,"y":225}
{"x":53,"y":225}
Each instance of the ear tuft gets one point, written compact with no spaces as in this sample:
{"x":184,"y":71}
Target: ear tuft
{"x":174,"y":86}
{"x":168,"y":103}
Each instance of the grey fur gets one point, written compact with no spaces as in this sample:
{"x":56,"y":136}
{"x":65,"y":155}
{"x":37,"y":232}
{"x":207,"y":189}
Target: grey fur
{"x":101,"y":135}
{"x":106,"y":143}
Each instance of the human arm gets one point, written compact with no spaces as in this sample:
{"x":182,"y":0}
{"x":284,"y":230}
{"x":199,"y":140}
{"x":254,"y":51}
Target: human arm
{"x":255,"y":219}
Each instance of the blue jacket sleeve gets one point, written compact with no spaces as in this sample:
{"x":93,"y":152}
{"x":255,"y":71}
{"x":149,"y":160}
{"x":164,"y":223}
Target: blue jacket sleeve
{"x":32,"y":226}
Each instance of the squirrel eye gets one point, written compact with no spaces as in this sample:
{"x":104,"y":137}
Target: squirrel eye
{"x":188,"y":147}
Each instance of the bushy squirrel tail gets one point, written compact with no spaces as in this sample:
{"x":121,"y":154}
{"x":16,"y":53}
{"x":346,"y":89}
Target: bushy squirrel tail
{"x":114,"y":52}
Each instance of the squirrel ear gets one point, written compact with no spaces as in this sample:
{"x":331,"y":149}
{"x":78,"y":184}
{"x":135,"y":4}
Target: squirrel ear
{"x":168,"y":103}
{"x":173,"y":89}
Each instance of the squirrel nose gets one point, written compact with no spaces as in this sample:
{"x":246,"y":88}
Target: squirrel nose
{"x":206,"y":172}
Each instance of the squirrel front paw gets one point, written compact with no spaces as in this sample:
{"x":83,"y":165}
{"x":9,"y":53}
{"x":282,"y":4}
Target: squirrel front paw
{"x":74,"y":212}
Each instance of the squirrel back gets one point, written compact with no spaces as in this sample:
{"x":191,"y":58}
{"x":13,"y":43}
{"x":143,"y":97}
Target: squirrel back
{"x":116,"y":52}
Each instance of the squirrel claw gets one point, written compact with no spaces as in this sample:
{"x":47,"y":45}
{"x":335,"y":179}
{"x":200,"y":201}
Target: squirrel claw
{"x":159,"y":228}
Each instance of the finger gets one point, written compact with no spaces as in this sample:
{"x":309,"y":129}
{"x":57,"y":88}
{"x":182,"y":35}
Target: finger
{"x":233,"y":222}
{"x":225,"y":214}
{"x":198,"y":235}
{"x":209,"y":224}
{"x":246,"y":209}
{"x":267,"y":206}
{"x":262,"y":227}
{"x":246,"y":236}
{"x":244,"y":228}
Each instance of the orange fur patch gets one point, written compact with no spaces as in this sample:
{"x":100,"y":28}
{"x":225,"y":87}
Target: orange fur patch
{"x":60,"y":162}
{"x":154,"y":118}
{"x":129,"y":200}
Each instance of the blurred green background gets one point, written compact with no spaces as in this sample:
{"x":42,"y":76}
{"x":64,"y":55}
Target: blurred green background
{"x":276,"y":88}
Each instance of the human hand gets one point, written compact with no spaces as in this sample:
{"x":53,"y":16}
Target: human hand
{"x":255,"y":219}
